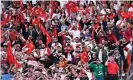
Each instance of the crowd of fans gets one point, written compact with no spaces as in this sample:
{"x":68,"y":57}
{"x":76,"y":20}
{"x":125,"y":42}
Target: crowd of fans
{"x":66,"y":40}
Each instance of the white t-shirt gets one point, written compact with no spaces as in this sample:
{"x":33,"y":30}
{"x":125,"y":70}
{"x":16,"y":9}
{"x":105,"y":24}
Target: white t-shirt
{"x":116,"y":7}
{"x":34,"y":1}
{"x":69,"y":57}
{"x":34,"y":63}
{"x":75,"y":33}
{"x":130,"y":9}
{"x":42,"y":52}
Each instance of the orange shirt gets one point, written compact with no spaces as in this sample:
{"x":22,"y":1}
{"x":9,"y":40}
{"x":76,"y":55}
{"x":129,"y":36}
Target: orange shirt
{"x":112,"y":68}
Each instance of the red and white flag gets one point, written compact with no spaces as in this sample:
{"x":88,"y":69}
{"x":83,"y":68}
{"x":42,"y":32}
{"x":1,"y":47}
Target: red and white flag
{"x":10,"y":57}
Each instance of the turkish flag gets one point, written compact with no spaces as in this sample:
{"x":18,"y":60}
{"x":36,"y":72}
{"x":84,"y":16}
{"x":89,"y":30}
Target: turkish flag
{"x":35,"y":21}
{"x":36,"y":11}
{"x":126,"y":14}
{"x":30,"y":47}
{"x":10,"y":57}
{"x":71,"y":7}
{"x":84,"y":57}
{"x":131,"y":14}
{"x":49,"y":39}
{"x":43,"y":30}
{"x":43,"y":14}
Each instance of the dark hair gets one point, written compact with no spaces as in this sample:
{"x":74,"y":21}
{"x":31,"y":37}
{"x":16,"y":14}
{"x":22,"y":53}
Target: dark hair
{"x":92,"y":3}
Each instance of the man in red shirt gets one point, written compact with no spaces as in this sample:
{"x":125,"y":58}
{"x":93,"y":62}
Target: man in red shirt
{"x":113,"y":69}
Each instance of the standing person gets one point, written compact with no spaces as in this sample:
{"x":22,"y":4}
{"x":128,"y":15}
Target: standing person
{"x":99,"y":69}
{"x":6,"y":75}
{"x":113,"y":68}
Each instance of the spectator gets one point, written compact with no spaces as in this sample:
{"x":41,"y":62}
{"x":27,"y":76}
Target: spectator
{"x":99,"y":69}
{"x":113,"y":69}
{"x":57,"y":40}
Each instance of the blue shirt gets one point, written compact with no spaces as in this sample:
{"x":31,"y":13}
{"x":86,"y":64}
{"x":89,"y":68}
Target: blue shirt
{"x":6,"y":76}
{"x":87,"y":35}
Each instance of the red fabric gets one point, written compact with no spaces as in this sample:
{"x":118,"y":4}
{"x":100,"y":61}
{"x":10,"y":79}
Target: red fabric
{"x":127,"y":34}
{"x":100,"y":39}
{"x":8,"y":18}
{"x":43,"y":15}
{"x":21,"y":6}
{"x":48,"y":50}
{"x":112,"y":37}
{"x":55,"y":32}
{"x":22,"y":17}
{"x":2,"y":38}
{"x":112,"y":16}
{"x":87,"y":10}
{"x":125,"y":14}
{"x":49,"y":39}
{"x":105,"y":17}
{"x":71,"y":7}
{"x":98,"y":18}
{"x":79,"y":27}
{"x":128,"y":61}
{"x":35,"y":21}
{"x":37,"y":11}
{"x":11,"y":59}
{"x":54,"y":4}
{"x":30,"y":47}
{"x":29,"y":8}
{"x":131,"y":14}
{"x":120,"y":12}
{"x":112,"y":68}
{"x":126,"y":49}
{"x":96,"y":25}
{"x":13,"y":35}
{"x":3,"y":23}
{"x":84,"y":57}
